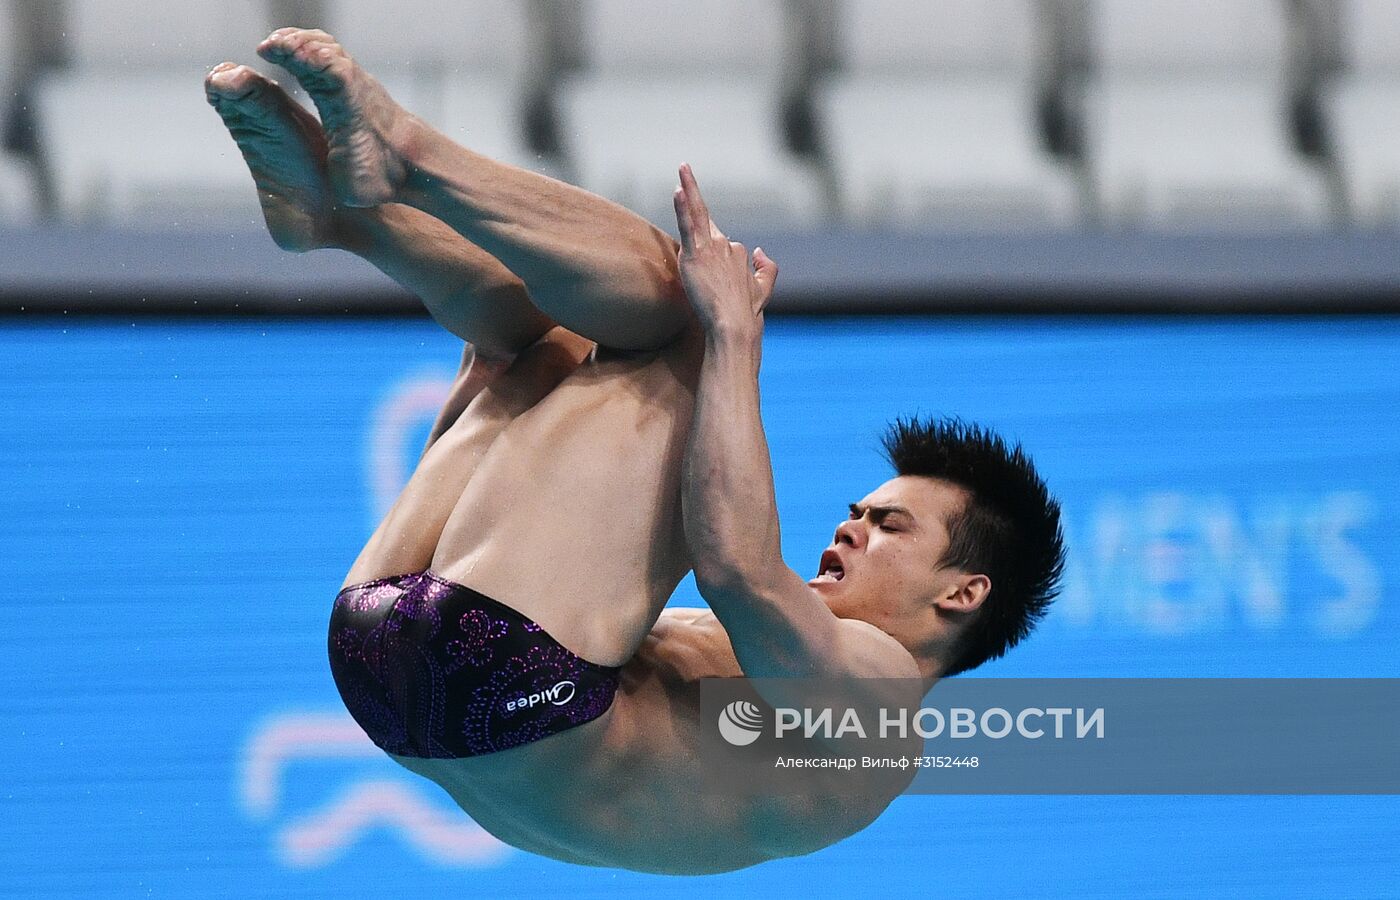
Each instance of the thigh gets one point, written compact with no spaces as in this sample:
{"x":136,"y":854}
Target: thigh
{"x":489,"y":395}
{"x":573,"y":517}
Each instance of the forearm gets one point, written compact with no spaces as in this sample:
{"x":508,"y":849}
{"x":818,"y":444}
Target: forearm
{"x":730,"y":512}
{"x":777,"y":624}
{"x":593,"y":266}
{"x":731,"y":524}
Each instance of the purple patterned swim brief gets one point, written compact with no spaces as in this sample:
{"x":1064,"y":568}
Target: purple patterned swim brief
{"x":435,"y":670}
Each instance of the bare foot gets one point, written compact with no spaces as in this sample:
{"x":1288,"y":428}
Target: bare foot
{"x":285,"y":150}
{"x":361,"y":120}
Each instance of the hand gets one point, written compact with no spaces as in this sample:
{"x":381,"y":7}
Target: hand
{"x":726,"y":289}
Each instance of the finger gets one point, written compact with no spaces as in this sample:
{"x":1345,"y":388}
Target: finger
{"x":766,"y":274}
{"x":683,"y":220}
{"x":699,"y":212}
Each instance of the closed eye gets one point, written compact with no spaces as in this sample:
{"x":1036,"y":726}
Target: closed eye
{"x":881,"y":516}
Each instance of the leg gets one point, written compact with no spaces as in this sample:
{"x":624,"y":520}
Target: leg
{"x":486,"y":397}
{"x":573,"y":516}
{"x":515,"y":354}
{"x":466,"y":289}
{"x":589,"y":264}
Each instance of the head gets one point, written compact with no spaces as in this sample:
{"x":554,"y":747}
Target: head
{"x":958,"y":556}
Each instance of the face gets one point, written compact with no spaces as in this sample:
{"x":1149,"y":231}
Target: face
{"x":883,"y":564}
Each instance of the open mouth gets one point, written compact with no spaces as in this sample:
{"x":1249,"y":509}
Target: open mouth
{"x":831,"y":568}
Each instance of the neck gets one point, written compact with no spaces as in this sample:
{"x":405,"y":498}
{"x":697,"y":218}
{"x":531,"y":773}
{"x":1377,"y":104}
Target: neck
{"x":931,"y":668}
{"x":936,"y":656}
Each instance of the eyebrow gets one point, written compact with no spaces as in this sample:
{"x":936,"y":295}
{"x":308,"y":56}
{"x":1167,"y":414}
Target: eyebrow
{"x":879,"y":512}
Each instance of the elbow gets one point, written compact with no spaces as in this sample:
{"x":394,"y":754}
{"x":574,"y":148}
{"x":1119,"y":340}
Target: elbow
{"x":724,"y":581}
{"x":726,"y":565}
{"x":719,"y":580}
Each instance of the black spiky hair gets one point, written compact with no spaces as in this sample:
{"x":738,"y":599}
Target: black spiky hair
{"x":1009,"y":530}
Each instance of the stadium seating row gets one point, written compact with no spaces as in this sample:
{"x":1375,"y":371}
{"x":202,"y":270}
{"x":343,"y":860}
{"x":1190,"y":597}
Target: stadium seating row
{"x":957,"y":114}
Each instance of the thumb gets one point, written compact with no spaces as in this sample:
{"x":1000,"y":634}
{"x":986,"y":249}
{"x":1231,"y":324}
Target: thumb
{"x":765,"y":272}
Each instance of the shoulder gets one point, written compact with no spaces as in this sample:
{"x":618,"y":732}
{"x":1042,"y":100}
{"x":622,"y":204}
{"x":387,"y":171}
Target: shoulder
{"x":873,"y":653}
{"x":687,"y":643}
{"x":683,"y":614}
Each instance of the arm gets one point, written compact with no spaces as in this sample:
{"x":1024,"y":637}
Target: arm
{"x":777,"y":625}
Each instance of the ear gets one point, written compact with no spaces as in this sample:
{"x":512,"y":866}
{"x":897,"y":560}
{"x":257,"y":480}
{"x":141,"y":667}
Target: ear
{"x":966,"y":595}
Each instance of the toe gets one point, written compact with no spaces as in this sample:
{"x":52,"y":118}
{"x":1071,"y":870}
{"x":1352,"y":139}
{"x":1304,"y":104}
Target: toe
{"x":303,"y":50}
{"x":213,"y":75}
{"x":224,"y":80}
{"x":234,"y":83}
{"x":280,"y":44}
{"x":317,"y":55}
{"x":316,"y":34}
{"x":303,"y":36}
{"x":283,"y":35}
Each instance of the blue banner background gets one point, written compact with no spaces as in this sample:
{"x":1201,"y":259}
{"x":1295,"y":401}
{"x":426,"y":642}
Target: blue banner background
{"x":180,"y":500}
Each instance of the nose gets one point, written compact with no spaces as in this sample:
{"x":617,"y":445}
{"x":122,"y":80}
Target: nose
{"x":851,"y":533}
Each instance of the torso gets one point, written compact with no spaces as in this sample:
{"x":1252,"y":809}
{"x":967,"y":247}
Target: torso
{"x":630,"y":789}
{"x":558,"y":494}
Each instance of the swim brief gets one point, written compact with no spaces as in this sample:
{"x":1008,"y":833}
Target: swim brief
{"x":436,"y":670}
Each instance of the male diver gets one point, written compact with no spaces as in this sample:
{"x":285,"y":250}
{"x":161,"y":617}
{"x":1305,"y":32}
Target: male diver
{"x":601,"y":439}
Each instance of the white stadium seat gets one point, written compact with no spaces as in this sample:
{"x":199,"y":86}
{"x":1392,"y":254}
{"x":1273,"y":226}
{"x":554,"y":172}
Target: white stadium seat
{"x":1361,"y":104}
{"x":465,"y":67}
{"x":9,"y":51}
{"x":667,"y":85}
{"x":1187,"y":118}
{"x":18,"y":197}
{"x":127,"y":130}
{"x":932,"y":118}
{"x":18,"y":193}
